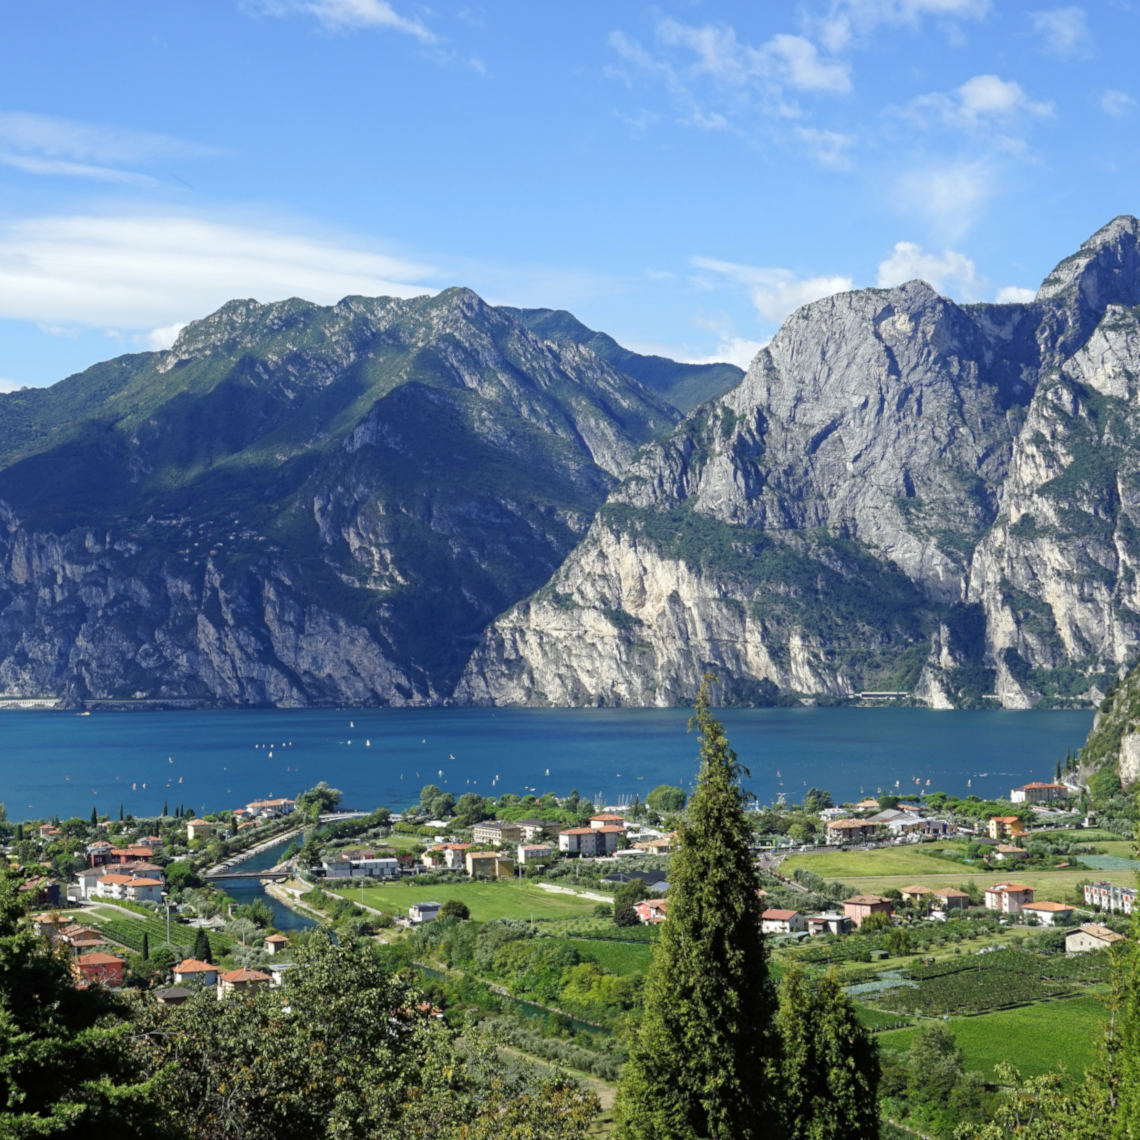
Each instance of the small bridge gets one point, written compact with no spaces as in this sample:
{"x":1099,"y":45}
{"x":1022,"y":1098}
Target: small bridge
{"x":221,"y":876}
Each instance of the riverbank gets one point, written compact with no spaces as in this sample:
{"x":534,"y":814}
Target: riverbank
{"x":234,"y":861}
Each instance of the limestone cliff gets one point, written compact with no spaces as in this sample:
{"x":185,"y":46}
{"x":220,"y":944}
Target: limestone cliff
{"x":903,"y":493}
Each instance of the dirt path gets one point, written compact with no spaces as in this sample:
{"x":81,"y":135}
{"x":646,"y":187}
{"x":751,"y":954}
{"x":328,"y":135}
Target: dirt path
{"x":571,"y":891}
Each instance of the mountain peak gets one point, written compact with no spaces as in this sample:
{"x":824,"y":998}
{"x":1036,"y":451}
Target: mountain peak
{"x":1104,"y":271}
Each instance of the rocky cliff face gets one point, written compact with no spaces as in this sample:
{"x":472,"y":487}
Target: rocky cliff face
{"x":902,"y":494}
{"x":299,"y":505}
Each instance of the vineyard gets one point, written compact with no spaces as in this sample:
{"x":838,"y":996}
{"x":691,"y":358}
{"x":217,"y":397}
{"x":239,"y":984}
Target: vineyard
{"x":991,"y":981}
{"x":129,"y":932}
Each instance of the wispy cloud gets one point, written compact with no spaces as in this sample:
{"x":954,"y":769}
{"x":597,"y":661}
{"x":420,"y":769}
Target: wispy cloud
{"x":1117,"y":103}
{"x":1063,"y":32}
{"x":948,"y":196}
{"x":828,"y":148}
{"x":49,"y":145}
{"x":145,"y":275}
{"x":347,"y":15}
{"x":848,"y":22}
{"x":719,"y":81}
{"x":775,"y":292}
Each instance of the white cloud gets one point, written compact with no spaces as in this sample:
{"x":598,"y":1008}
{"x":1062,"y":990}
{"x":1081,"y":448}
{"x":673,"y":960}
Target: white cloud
{"x":1115,"y":102}
{"x":801,"y":67}
{"x":773,"y":291}
{"x":849,"y":21}
{"x":1064,"y":32}
{"x":10,"y":385}
{"x":829,"y":148}
{"x":979,"y":101}
{"x":1014,"y":295}
{"x":340,"y":15}
{"x":47,"y":145}
{"x":146,"y":274}
{"x":948,"y":196}
{"x":164,"y":337}
{"x":736,"y":350}
{"x":950,"y":272}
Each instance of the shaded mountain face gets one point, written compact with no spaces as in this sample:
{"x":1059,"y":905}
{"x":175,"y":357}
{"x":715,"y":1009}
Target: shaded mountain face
{"x":299,"y":504}
{"x":902,"y":494}
{"x":683,"y":385}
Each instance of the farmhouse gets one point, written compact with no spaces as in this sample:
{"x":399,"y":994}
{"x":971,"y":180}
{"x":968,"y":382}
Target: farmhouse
{"x":859,"y":908}
{"x":1090,"y":937}
{"x":651,"y":911}
{"x":192,"y":971}
{"x":951,"y":897}
{"x":775,"y":921}
{"x":239,"y":981}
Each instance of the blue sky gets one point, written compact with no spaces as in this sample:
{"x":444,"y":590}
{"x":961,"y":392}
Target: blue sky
{"x":681,"y":175}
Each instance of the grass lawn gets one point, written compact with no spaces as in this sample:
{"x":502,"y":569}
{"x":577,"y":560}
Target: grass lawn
{"x":848,"y":866}
{"x":508,"y":898}
{"x":617,"y":957}
{"x":1033,"y":1037}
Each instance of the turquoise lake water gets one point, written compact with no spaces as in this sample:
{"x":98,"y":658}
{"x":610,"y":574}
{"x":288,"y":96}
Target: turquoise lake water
{"x":62,"y":764}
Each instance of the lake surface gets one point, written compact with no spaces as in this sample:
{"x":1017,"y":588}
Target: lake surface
{"x":62,"y":764}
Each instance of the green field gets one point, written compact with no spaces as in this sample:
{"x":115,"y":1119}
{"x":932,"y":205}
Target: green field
{"x":880,"y":870}
{"x":616,"y":957}
{"x":506,"y":899}
{"x":1035,"y":1038}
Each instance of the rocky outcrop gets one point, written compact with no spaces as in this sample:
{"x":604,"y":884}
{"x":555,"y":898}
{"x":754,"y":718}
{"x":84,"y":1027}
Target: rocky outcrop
{"x":902,"y":493}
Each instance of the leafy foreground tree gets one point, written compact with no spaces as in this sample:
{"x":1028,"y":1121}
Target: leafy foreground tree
{"x":705,"y":1057}
{"x":343,"y":1052}
{"x":63,"y":1066}
{"x":829,"y":1073}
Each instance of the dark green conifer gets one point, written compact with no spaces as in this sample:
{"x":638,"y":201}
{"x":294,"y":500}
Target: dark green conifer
{"x":830,"y":1068}
{"x":201,"y":949}
{"x":145,"y":947}
{"x":703,"y":1063}
{"x":94,"y":818}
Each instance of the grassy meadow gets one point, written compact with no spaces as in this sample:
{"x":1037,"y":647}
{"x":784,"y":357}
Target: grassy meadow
{"x":1035,"y":1038}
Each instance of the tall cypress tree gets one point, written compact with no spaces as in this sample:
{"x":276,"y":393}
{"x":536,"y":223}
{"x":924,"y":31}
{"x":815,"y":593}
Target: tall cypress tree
{"x":201,"y":949}
{"x":706,"y":1055}
{"x":830,"y":1067}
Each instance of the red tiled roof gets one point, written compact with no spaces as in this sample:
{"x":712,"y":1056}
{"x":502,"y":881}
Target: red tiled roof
{"x":194,"y":966}
{"x":244,"y":975}
{"x":97,"y":959}
{"x":779,"y":915}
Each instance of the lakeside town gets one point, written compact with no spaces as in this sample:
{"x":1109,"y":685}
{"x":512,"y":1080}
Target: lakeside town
{"x":174,"y":868}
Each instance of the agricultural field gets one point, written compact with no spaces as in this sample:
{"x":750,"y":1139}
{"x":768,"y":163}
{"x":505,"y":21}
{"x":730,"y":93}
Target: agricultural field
{"x":505,"y":899}
{"x":128,"y":930}
{"x":1035,"y":1038}
{"x":880,"y":870}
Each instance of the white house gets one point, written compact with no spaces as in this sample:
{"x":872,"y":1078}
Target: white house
{"x":776,"y":921}
{"x":424,"y":912}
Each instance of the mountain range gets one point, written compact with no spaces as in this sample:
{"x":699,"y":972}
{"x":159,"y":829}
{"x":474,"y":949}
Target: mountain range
{"x":419,"y":501}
